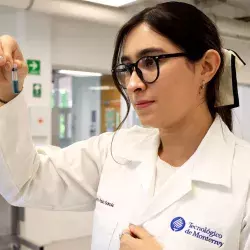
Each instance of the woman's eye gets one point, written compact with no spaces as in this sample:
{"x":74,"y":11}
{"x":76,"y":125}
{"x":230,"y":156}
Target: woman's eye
{"x":125,"y":70}
{"x":122,"y":69}
{"x":149,"y":62}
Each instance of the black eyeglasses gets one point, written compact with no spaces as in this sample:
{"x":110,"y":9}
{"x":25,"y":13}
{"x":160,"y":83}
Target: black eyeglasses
{"x":147,"y":69}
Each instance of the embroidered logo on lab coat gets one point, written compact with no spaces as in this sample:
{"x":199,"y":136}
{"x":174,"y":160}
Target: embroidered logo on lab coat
{"x":194,"y":230}
{"x":178,"y":224}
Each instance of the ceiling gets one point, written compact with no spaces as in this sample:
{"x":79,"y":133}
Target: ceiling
{"x":81,"y":9}
{"x":238,"y":9}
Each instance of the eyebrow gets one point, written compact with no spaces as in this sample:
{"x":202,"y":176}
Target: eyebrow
{"x":142,"y":53}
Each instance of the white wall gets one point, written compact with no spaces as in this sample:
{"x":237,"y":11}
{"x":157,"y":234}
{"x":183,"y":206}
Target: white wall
{"x":32,"y":31}
{"x":242,"y":114}
{"x":9,"y":18}
{"x":86,"y":45}
{"x":46,"y":227}
{"x":82,"y":45}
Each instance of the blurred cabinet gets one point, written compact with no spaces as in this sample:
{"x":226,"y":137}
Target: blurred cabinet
{"x":61,"y":102}
{"x":110,"y":105}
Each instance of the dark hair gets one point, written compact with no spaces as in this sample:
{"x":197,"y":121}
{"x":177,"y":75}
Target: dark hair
{"x":192,"y":31}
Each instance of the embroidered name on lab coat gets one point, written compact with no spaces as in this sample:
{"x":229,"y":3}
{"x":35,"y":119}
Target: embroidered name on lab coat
{"x":202,"y":233}
{"x":104,"y":202}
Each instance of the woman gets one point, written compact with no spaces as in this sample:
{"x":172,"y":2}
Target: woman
{"x":181,"y":181}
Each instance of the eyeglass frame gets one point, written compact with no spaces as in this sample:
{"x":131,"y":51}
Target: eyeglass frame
{"x":134,"y":66}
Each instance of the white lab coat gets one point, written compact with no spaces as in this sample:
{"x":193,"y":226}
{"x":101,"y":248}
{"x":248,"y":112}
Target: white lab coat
{"x":204,"y":205}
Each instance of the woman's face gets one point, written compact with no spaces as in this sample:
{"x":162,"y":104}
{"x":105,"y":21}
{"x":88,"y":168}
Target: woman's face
{"x":175,"y":94}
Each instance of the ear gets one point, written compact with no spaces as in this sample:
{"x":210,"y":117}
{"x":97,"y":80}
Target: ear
{"x":210,"y":64}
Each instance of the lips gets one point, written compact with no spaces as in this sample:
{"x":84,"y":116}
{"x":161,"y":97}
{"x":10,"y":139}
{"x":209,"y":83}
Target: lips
{"x":143,"y":104}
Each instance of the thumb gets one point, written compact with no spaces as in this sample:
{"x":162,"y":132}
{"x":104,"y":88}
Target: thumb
{"x":139,"y":232}
{"x":22,"y":67}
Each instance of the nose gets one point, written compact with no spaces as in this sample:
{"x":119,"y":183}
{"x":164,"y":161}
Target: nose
{"x":135,"y":83}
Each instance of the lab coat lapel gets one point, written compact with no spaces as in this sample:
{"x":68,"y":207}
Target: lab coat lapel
{"x":211,"y":164}
{"x":177,"y":186}
{"x":140,"y":164}
{"x":146,"y":169}
{"x":141,"y":160}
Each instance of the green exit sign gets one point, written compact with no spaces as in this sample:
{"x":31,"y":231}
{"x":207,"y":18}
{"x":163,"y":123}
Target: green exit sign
{"x":34,"y":67}
{"x":37,"y":90}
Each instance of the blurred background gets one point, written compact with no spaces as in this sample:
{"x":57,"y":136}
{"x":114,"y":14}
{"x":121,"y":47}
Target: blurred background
{"x":69,"y":45}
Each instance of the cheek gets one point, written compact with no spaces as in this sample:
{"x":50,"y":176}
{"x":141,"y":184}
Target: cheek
{"x":177,"y":88}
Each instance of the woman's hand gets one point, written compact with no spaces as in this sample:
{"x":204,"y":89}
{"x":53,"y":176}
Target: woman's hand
{"x":10,"y":54}
{"x":137,"y":238}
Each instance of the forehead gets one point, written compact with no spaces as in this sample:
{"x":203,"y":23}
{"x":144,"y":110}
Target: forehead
{"x":143,"y":37}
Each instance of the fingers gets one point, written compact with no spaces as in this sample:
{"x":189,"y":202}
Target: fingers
{"x":2,"y":57}
{"x":18,"y":54}
{"x":9,"y":51}
{"x":139,"y":232}
{"x":137,"y":237}
{"x":8,"y":45}
{"x":22,"y":67}
{"x":124,"y":233}
{"x":127,"y":240}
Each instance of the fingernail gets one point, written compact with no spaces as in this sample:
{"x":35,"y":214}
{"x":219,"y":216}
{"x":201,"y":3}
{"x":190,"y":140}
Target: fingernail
{"x":8,"y":66}
{"x":1,"y":58}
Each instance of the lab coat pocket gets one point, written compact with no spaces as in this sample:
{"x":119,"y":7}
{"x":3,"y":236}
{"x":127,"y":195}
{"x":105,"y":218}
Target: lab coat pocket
{"x":103,"y":230}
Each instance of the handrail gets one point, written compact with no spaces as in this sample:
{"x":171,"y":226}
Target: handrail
{"x":28,"y":244}
{"x":15,"y":242}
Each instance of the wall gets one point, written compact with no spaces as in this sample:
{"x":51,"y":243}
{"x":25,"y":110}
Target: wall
{"x":32,"y":31}
{"x":242,"y":114}
{"x":82,"y":45}
{"x":46,"y":227}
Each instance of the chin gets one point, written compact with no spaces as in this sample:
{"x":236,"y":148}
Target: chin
{"x":149,"y":121}
{"x":154,"y":121}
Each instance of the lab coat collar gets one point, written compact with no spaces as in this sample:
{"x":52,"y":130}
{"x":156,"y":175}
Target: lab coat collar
{"x":141,"y":156}
{"x":211,"y":163}
{"x":213,"y":159}
{"x":141,"y":147}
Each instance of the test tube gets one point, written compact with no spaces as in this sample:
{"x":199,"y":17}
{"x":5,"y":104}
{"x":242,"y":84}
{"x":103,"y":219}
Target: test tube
{"x":15,"y":80}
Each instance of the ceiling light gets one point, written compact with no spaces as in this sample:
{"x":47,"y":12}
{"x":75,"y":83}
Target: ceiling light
{"x":98,"y":88}
{"x":113,"y":3}
{"x":78,"y":73}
